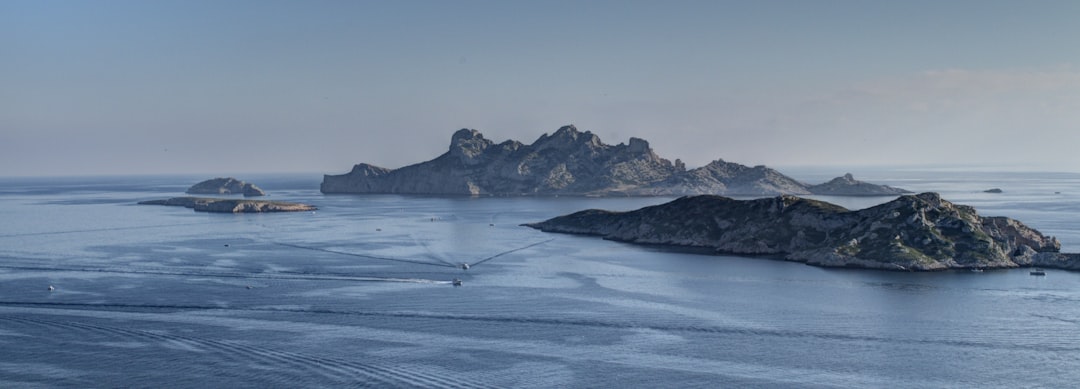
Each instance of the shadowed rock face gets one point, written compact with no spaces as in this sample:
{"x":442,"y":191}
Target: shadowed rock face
{"x":226,"y":185}
{"x":568,"y":162}
{"x":914,"y":232}
{"x":203,"y":204}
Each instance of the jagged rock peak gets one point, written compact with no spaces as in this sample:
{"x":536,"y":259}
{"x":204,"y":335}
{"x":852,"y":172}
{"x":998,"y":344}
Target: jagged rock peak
{"x":567,"y":130}
{"x":468,"y":145}
{"x":568,"y":135}
{"x":368,"y":170}
{"x":924,"y":201}
{"x":465,"y":134}
{"x":932,"y":198}
{"x":638,"y":145}
{"x":846,"y":179}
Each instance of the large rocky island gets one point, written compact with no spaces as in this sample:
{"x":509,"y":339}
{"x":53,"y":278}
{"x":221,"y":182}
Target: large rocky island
{"x":203,"y":204}
{"x":914,"y":232}
{"x":570,"y":162}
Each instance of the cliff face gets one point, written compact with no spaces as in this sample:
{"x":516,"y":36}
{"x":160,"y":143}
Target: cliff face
{"x":567,"y":162}
{"x":913,"y":232}
{"x":226,"y":185}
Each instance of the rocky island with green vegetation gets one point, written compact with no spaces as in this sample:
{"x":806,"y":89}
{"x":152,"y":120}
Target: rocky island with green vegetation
{"x":204,"y":204}
{"x":911,"y":233}
{"x":572,"y":162}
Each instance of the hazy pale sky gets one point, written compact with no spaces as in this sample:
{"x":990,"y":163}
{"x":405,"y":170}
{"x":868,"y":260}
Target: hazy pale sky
{"x":224,"y":87}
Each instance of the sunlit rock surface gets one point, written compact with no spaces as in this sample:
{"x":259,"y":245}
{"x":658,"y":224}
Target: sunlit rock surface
{"x":203,"y":204}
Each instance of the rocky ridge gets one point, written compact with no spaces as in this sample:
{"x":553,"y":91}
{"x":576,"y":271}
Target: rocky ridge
{"x":226,"y":185}
{"x":571,"y":162}
{"x":847,"y":185}
{"x":203,"y":204}
{"x":914,"y":232}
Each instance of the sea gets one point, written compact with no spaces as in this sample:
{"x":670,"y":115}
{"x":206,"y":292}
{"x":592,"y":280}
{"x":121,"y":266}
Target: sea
{"x":97,"y":291}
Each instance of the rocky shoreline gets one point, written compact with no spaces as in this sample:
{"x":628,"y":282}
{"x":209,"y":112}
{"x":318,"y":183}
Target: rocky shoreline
{"x":204,"y":204}
{"x":912,"y":233}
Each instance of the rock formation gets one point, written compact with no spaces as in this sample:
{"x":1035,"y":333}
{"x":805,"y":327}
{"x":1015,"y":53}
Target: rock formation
{"x":203,"y":204}
{"x":849,"y":186}
{"x":914,"y":232}
{"x":226,"y":185}
{"x":568,"y":162}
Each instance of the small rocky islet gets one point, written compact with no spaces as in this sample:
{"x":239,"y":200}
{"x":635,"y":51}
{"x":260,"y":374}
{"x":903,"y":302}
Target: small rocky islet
{"x":204,"y":204}
{"x":224,"y":186}
{"x":911,"y":233}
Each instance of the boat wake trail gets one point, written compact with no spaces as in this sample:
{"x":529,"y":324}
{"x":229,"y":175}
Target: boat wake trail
{"x":364,"y":255}
{"x":431,"y":253}
{"x":510,"y":251}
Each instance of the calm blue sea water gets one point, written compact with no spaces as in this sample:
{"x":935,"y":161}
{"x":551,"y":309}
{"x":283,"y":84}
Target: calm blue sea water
{"x":359,"y":294}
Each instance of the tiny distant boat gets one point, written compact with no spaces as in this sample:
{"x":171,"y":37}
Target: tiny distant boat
{"x":1038,"y":272}
{"x":456,"y":282}
{"x":464,"y":266}
{"x":976,"y":270}
{"x":51,"y":288}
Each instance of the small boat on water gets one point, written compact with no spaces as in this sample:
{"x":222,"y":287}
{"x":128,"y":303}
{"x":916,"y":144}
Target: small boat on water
{"x":456,"y":282}
{"x":1038,"y":272}
{"x":976,"y":270}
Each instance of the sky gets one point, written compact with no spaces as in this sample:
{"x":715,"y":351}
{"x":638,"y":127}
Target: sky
{"x":116,"y":87}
